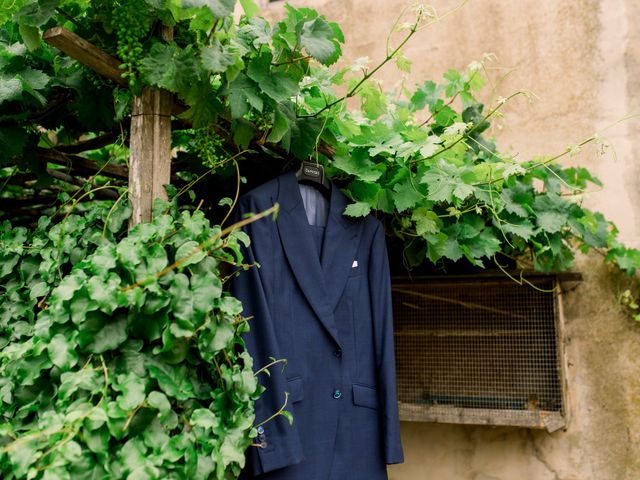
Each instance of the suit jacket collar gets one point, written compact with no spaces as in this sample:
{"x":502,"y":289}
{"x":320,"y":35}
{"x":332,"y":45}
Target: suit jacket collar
{"x":321,"y":280}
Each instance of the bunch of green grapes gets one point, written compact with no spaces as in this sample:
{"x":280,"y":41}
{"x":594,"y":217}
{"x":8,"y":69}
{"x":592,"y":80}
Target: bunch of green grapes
{"x":131,"y":20}
{"x":208,"y":145}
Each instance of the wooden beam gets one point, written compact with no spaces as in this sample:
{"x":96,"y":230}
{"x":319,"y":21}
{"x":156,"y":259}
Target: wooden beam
{"x":107,"y":193}
{"x":150,"y":147}
{"x":85,"y":52}
{"x":78,"y":164}
{"x":90,"y":144}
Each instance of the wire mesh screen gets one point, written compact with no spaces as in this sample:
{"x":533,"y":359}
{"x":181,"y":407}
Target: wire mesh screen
{"x":478,"y":351}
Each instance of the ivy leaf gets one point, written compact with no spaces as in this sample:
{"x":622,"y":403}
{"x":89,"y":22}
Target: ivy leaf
{"x":105,"y":291}
{"x":374,"y":102}
{"x":486,"y":244}
{"x":205,"y":418}
{"x":319,"y":40}
{"x":206,"y":288}
{"x":62,"y":352}
{"x":112,"y":334}
{"x":304,"y":136}
{"x":358,"y":209}
{"x":159,"y":401}
{"x":132,"y":388}
{"x":68,"y":286}
{"x":172,"y":379}
{"x":189,"y":253}
{"x":256,"y":32}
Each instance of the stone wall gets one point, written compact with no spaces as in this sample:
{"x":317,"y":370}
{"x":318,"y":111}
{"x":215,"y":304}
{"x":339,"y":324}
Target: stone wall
{"x":582,"y":60}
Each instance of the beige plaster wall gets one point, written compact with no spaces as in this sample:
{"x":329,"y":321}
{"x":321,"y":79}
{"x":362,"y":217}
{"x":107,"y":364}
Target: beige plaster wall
{"x":582,"y":59}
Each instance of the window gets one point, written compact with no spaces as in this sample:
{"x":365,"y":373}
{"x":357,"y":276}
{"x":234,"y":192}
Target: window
{"x":479,"y":350}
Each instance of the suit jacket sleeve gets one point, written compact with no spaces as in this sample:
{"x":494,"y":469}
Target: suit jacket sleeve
{"x":380,"y":285}
{"x":280,"y":441}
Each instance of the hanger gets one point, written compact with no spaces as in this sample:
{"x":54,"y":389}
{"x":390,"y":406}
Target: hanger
{"x":313,"y":174}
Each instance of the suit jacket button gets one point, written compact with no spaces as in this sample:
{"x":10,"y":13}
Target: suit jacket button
{"x":337,"y":394}
{"x":263,"y":445}
{"x":260,"y":430}
{"x":338,"y":353}
{"x":262,"y":437}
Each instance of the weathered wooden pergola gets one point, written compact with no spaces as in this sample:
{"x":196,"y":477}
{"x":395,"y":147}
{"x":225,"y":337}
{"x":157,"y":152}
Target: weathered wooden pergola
{"x":150,"y":134}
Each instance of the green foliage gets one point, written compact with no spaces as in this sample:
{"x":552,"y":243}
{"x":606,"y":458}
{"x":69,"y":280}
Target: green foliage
{"x":112,"y":369}
{"x":113,"y":365}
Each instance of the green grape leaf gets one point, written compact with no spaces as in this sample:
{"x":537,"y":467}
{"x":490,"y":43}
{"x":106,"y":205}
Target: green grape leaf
{"x":30,"y":35}
{"x":242,"y":95}
{"x":358,"y":165}
{"x":10,"y":89}
{"x":445,"y":183}
{"x":551,"y":221}
{"x":276,"y":84}
{"x":219,"y":8}
{"x":216,"y":57}
{"x":357,"y":209}
{"x":171,"y":67}
{"x":319,"y":40}
{"x":250,"y":8}
{"x":282,"y":120}
{"x":426,"y":94}
{"x":426,"y":221}
{"x":406,"y":195}
{"x":36,"y":14}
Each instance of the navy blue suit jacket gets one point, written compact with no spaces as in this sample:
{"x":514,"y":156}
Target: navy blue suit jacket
{"x":330,"y":318}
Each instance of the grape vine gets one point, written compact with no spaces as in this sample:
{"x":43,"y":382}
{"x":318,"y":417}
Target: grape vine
{"x":131,"y":21}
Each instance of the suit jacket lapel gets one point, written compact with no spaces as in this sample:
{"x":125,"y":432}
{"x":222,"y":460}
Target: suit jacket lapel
{"x":301,"y":252}
{"x":339,"y":249}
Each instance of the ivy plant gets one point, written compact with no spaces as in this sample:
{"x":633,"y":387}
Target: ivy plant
{"x":121,"y":354}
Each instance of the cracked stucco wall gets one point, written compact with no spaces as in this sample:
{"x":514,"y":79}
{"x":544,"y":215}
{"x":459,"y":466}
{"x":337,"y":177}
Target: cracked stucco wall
{"x":582,"y":59}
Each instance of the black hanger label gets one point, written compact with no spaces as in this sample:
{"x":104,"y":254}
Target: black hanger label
{"x":311,"y":171}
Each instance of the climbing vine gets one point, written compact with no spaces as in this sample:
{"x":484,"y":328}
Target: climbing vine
{"x":120,"y":352}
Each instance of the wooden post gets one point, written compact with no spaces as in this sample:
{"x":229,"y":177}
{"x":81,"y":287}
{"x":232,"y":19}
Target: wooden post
{"x":150,"y":141}
{"x":150,"y":147}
